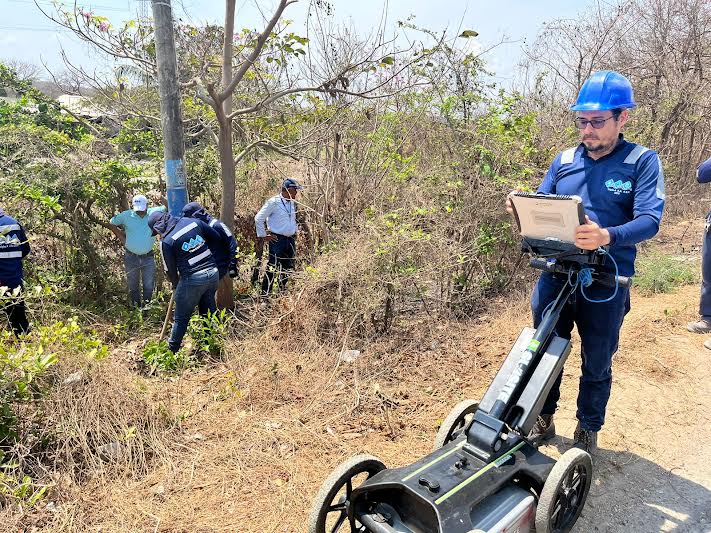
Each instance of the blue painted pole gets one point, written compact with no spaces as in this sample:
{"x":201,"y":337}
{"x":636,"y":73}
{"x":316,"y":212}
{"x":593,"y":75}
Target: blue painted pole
{"x":171,"y":114}
{"x":176,"y":185}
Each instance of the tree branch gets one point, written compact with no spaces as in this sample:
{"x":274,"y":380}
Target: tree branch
{"x":264,"y":143}
{"x":261,"y":41}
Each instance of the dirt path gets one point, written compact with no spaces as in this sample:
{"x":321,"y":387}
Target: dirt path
{"x":654,"y":469}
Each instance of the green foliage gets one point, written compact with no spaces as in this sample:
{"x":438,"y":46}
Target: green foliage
{"x":19,"y":489}
{"x":657,"y":273}
{"x":138,"y":138}
{"x":25,"y":380}
{"x":210,"y":332}
{"x":35,"y":108}
{"x":158,"y":355}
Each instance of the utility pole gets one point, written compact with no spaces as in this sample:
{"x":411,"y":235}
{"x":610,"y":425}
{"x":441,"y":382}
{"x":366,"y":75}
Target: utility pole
{"x":171,"y":115}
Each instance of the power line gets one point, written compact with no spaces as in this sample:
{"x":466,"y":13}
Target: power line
{"x":34,"y":28}
{"x":90,"y":6}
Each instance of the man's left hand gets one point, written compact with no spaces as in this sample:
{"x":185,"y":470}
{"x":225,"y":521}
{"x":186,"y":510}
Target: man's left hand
{"x":590,"y":236}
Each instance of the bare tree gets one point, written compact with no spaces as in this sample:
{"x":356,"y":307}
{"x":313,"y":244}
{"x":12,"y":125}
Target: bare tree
{"x":258,"y":61}
{"x":662,"y":46}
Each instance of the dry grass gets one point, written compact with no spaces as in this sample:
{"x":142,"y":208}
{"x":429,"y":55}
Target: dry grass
{"x":260,"y":431}
{"x":257,"y":433}
{"x":97,"y":422}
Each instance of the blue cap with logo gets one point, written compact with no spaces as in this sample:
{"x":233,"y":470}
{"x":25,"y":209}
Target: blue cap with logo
{"x":291,"y":183}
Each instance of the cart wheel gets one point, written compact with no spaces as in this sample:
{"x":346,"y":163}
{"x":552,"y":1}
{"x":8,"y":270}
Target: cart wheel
{"x":564,"y":492}
{"x":456,"y":422}
{"x":329,"y":512}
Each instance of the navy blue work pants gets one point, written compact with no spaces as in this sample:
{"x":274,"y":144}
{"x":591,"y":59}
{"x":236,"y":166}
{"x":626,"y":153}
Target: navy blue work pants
{"x":599,"y":329}
{"x":14,"y":307}
{"x":193,"y":290}
{"x":282,"y":252}
{"x":705,"y":304}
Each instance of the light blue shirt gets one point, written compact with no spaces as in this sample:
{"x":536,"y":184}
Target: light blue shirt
{"x":279,"y":213}
{"x":138,"y":235}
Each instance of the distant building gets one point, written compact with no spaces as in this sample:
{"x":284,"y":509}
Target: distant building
{"x":79,"y":105}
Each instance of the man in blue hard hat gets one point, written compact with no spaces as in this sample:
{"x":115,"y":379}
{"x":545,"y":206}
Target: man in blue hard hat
{"x":622,"y":188}
{"x":703,"y":325}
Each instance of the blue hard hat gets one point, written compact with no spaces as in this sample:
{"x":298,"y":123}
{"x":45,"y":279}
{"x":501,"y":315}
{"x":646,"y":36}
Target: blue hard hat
{"x":605,"y":89}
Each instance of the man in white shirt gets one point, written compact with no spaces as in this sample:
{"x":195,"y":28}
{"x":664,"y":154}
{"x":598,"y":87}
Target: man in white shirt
{"x":276,"y":224}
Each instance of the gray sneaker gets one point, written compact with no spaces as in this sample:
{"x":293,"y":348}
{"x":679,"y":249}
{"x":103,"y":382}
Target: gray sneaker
{"x":585,"y":440}
{"x":702,"y":326}
{"x":707,"y":344}
{"x":543,"y":430}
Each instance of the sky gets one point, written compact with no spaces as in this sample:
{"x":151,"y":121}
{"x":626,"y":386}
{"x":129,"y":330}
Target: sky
{"x":26,"y":35}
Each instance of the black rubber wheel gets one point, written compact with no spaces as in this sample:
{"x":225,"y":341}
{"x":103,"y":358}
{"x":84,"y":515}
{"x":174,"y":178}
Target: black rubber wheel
{"x":456,"y":422}
{"x":564,"y":492}
{"x":329,"y":512}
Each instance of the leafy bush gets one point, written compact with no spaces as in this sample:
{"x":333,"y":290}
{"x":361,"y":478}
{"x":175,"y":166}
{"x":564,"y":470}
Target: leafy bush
{"x":209,"y":332}
{"x":158,"y":355}
{"x":658,"y":273}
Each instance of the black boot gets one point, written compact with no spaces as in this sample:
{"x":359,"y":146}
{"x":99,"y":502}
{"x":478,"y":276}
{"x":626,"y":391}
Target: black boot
{"x":543,"y":430}
{"x":585,"y":439}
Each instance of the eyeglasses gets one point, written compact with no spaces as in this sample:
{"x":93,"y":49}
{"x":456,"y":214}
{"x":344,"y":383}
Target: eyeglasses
{"x":596,"y":123}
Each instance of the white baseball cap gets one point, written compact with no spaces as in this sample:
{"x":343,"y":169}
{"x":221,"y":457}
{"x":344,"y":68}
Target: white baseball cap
{"x":139,"y":203}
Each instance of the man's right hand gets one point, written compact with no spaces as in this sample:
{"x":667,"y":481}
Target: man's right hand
{"x":120,"y":234}
{"x":509,"y":205}
{"x":269,"y":238}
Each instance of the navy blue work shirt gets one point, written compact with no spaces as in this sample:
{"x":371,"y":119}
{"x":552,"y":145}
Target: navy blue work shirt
{"x":703,"y":173}
{"x":622,"y":192}
{"x":186,"y":249}
{"x":13,"y":247}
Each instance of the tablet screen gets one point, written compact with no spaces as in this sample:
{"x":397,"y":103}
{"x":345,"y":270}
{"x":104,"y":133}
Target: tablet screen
{"x":548,"y":217}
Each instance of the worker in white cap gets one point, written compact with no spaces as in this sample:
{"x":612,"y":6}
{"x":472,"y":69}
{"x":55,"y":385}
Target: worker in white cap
{"x":131,"y":227}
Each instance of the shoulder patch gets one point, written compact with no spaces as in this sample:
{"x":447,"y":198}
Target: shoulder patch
{"x":568,"y":156}
{"x":661,"y":192}
{"x":635,"y":154}
{"x":226,"y":229}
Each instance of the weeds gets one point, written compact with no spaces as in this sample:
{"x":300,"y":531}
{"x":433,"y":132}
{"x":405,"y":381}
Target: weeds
{"x":158,"y":355}
{"x":25,"y":365}
{"x":658,"y":273}
{"x":209,"y":332}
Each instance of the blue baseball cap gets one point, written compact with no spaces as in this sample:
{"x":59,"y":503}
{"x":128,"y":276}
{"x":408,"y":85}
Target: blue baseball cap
{"x":291,"y":183}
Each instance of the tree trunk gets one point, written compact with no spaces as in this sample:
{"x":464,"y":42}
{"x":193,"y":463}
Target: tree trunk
{"x":225,"y":299}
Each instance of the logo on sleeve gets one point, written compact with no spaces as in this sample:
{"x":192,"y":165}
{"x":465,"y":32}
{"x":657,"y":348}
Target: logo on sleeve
{"x":9,"y":240}
{"x":619,"y":186}
{"x":193,"y":244}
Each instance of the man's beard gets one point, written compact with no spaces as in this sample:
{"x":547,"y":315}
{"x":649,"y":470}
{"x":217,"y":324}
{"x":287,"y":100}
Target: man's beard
{"x":595,"y":145}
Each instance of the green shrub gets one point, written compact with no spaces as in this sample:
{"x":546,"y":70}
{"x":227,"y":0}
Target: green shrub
{"x":658,"y":273}
{"x":158,"y":356}
{"x":209,"y":332}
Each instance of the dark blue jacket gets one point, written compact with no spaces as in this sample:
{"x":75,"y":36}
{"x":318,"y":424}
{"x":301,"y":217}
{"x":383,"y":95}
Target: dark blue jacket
{"x":226,"y":253}
{"x":622,"y":192}
{"x":13,"y":247}
{"x":703,"y":174}
{"x":186,"y":244}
